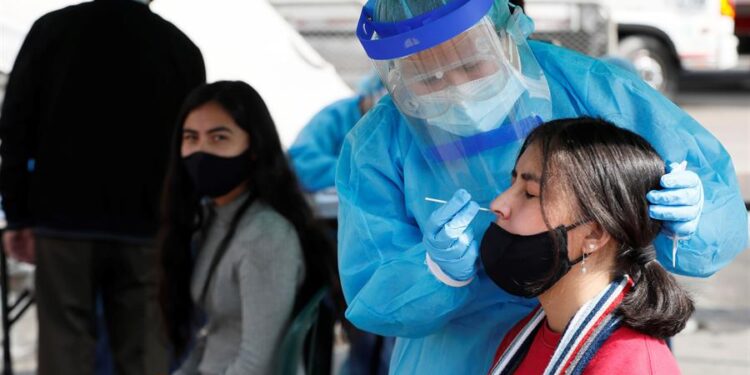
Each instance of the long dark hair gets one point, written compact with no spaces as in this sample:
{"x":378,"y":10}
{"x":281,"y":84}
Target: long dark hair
{"x":608,"y":171}
{"x":271,"y":181}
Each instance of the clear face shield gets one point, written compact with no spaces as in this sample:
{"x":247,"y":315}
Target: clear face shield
{"x":470,"y":99}
{"x":456,"y":85}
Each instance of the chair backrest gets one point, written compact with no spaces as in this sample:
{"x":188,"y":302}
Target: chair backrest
{"x":291,"y":351}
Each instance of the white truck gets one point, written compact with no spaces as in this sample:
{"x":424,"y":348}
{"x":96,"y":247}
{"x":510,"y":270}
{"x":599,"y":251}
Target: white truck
{"x":666,"y":38}
{"x":662,"y":38}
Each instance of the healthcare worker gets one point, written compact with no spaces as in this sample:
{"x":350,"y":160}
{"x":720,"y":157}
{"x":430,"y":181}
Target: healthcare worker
{"x":465,"y":88}
{"x":316,"y":149}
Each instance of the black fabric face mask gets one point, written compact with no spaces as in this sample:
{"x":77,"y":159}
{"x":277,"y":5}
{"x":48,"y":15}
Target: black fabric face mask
{"x":214,"y":176}
{"x":519,"y":264}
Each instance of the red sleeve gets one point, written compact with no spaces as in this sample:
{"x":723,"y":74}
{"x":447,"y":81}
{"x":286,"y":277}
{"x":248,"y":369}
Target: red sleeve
{"x":631,"y":352}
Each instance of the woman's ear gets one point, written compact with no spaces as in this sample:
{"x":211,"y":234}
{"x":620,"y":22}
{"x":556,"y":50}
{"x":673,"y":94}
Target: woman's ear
{"x":597,"y":238}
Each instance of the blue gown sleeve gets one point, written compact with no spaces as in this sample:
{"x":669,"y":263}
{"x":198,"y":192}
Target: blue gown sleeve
{"x":387,"y":284}
{"x":626,"y":100}
{"x":315,"y":151}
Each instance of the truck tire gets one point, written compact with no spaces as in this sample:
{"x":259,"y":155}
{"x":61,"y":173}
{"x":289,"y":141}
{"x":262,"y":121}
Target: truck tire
{"x":652,"y":60}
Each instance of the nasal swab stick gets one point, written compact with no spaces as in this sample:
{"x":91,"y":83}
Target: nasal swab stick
{"x":444,"y":202}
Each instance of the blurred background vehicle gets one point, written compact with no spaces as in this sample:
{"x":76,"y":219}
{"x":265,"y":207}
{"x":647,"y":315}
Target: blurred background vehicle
{"x":667,"y":38}
{"x":582,"y":25}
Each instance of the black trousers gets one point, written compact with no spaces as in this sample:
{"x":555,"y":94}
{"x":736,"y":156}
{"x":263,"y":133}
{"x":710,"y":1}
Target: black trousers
{"x":69,"y":274}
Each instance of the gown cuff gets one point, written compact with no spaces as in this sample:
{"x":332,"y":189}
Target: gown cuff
{"x":442,"y":276}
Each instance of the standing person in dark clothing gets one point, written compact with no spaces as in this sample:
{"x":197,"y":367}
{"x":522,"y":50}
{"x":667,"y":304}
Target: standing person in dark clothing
{"x":85,"y":127}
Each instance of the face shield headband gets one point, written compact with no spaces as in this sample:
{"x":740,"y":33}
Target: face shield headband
{"x":392,"y":40}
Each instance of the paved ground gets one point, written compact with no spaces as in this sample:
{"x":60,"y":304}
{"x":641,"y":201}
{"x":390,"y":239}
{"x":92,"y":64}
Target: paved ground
{"x":718,"y":338}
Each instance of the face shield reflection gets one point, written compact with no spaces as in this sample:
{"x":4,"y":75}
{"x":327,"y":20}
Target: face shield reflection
{"x":468,"y":67}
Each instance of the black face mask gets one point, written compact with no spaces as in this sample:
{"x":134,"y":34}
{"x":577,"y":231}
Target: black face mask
{"x":214,"y":176}
{"x":524,"y":265}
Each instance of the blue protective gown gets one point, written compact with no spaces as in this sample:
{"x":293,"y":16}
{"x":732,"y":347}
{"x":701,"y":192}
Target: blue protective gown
{"x":316,"y":149}
{"x":382,"y":180}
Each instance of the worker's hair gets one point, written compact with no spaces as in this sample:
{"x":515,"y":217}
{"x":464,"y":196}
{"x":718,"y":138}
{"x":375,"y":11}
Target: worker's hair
{"x":607,"y":172}
{"x":399,"y":10}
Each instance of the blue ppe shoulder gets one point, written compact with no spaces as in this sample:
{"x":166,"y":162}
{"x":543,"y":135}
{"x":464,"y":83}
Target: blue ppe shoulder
{"x":581,"y":85}
{"x":315,"y":151}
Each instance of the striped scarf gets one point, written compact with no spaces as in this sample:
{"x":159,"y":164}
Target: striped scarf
{"x":584,"y":335}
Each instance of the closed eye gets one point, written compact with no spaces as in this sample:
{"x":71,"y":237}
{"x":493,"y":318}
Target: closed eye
{"x":429,"y":81}
{"x":471,"y":67}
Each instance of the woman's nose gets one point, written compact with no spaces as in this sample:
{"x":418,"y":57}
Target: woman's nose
{"x":501,"y":207}
{"x":200,"y":145}
{"x":193,"y":147}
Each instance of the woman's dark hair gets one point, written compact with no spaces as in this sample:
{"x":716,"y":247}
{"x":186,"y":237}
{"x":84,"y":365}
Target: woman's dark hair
{"x":271,"y":181}
{"x":608,"y":171}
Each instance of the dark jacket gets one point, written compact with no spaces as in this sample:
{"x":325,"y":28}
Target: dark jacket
{"x":92,"y":102}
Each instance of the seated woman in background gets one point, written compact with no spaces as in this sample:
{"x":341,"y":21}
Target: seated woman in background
{"x":238,"y":240}
{"x":574,"y":230}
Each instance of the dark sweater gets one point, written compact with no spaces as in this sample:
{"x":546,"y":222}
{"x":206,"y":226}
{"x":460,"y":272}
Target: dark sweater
{"x":92,"y":100}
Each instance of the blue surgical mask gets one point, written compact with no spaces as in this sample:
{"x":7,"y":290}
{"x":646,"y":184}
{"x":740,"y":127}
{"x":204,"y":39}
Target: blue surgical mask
{"x":466,"y":117}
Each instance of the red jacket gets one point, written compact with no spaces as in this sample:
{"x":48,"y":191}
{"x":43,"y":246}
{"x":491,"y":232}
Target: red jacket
{"x":626,"y":352}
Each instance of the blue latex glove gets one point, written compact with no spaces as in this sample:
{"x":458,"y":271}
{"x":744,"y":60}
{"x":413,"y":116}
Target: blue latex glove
{"x":680,"y":203}
{"x":449,"y":239}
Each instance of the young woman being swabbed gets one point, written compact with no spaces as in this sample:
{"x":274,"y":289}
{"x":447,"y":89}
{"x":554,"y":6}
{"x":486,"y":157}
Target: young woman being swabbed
{"x":574,"y":230}
{"x":238,"y":240}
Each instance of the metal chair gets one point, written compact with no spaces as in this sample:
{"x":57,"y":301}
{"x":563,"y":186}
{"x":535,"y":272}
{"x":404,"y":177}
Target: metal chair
{"x":308,"y":342}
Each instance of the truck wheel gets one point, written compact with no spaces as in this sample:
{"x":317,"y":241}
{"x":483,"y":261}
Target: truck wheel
{"x":653,"y":62}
